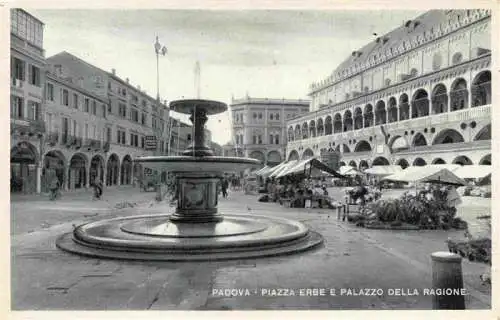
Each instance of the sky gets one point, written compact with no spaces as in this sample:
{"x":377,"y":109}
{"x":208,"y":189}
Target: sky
{"x":259,"y":53}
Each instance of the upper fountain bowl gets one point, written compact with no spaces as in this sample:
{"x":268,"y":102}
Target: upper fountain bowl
{"x":197,"y":164}
{"x":188,"y":106}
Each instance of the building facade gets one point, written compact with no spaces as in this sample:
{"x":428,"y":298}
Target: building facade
{"x":420,"y":94}
{"x":259,"y":127}
{"x":98,"y":124}
{"x":27,"y":127}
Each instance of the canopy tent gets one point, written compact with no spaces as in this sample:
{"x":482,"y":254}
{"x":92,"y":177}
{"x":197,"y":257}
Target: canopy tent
{"x":451,"y":167}
{"x":473,"y":171}
{"x":316,"y":168}
{"x":264,"y":172}
{"x":349,"y":171}
{"x":383,"y":170}
{"x":272,"y":169}
{"x":296,"y":169}
{"x":426,"y":174}
{"x":285,"y":166}
{"x":261,"y":170}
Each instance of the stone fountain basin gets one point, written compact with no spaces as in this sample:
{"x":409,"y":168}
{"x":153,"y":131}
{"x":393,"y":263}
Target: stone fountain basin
{"x":198,"y":164}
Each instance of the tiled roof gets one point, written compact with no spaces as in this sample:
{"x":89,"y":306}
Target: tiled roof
{"x":425,"y":23}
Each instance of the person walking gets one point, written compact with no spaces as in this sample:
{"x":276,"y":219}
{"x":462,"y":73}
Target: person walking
{"x":224,"y":186}
{"x":98,"y":189}
{"x":54,"y":188}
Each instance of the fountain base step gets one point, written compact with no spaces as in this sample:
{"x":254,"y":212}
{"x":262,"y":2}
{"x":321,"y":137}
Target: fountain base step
{"x":156,"y":238}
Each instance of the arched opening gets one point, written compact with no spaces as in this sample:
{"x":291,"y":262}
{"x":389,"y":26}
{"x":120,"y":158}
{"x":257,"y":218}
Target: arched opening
{"x":462,"y":160}
{"x":305,"y":131}
{"x":23,"y":162}
{"x":77,"y":177}
{"x":380,"y":113}
{"x":126,"y":170}
{"x":328,"y":125}
{"x":362,"y":146}
{"x":341,"y":164}
{"x":337,"y":123}
{"x":347,"y":121}
{"x":404,"y":107}
{"x":308,"y":153}
{"x":486,"y":160}
{"x":459,"y":95}
{"x":380,"y":161}
{"x":290,"y":134}
{"x":297,"y":132}
{"x":439,"y":99}
{"x":345,"y":148}
{"x":112,"y":170}
{"x":484,"y":133}
{"x":393,"y":110}
{"x":363,"y":164}
{"x":96,"y":169}
{"x":294,"y":155}
{"x":368,"y":114}
{"x":399,"y":143}
{"x":420,"y":104}
{"x":448,"y":136}
{"x":320,"y":128}
{"x":358,"y":118}
{"x":312,"y":129}
{"x":258,"y":155}
{"x":352,"y":163}
{"x":273,"y":158}
{"x":419,"y":162}
{"x":481,"y":89}
{"x":54,"y":165}
{"x":419,"y":140}
{"x":438,"y":161}
{"x":403,"y":163}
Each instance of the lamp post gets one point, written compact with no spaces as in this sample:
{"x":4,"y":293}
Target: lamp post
{"x":159,"y":49}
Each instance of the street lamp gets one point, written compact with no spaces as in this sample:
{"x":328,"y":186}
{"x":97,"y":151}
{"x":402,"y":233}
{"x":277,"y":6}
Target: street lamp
{"x":159,"y":49}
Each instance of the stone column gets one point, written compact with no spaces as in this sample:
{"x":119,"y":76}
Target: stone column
{"x":447,"y":276}
{"x":38,"y":178}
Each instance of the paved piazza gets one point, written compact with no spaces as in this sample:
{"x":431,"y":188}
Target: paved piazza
{"x":45,"y":278}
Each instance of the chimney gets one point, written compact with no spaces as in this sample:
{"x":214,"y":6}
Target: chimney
{"x":58,"y":68}
{"x":113,"y":71}
{"x":127,"y":80}
{"x":80,"y":81}
{"x":139,"y":88}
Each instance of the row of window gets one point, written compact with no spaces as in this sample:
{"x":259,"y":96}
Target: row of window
{"x":437,"y":61}
{"x":26,"y":27}
{"x":18,"y":72}
{"x":21,"y":110}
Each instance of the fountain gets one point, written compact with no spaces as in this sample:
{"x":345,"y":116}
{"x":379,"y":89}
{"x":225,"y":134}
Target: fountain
{"x":196,"y":231}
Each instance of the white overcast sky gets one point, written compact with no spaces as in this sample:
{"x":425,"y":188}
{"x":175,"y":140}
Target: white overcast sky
{"x":265,"y":53}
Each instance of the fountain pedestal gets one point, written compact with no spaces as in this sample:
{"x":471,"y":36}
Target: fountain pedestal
{"x":196,"y":230}
{"x":197,"y":198}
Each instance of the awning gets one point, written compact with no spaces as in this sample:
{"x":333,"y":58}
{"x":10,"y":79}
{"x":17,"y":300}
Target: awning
{"x":285,"y":166}
{"x":349,"y":171}
{"x":261,"y":170}
{"x":427,"y":174}
{"x":296,"y":169}
{"x":315,"y":163}
{"x":383,"y":170}
{"x":473,"y":171}
{"x":323,"y":167}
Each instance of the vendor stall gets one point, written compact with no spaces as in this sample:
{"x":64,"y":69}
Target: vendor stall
{"x":427,"y":174}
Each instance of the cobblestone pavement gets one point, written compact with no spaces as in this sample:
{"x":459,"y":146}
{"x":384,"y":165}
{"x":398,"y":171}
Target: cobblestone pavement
{"x":45,"y":278}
